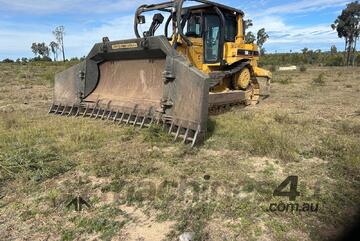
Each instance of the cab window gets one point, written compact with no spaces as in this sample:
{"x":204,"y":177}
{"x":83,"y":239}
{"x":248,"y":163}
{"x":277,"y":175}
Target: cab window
{"x":230,"y":28}
{"x":212,"y":39}
{"x":194,"y":28}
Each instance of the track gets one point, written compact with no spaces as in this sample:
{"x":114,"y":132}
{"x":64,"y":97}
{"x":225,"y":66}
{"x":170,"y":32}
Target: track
{"x":244,"y":98}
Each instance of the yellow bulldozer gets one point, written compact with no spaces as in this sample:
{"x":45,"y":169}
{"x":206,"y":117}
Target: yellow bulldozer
{"x":174,"y":76}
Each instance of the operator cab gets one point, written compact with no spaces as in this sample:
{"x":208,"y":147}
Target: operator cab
{"x":206,"y":23}
{"x":208,"y":26}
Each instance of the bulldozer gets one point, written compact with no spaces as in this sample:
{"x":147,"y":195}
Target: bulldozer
{"x":196,"y":63}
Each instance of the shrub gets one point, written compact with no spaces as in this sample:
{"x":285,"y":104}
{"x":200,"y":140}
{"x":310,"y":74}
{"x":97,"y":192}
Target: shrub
{"x":320,"y":80}
{"x":358,"y":60}
{"x":334,"y":60}
{"x":303,"y":68}
{"x":8,"y":60}
{"x":41,"y":59}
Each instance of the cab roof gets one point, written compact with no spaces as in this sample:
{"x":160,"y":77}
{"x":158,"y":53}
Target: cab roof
{"x":222,"y":7}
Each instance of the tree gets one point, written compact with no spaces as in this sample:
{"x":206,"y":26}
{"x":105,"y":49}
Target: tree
{"x":250,"y":38}
{"x":7,"y":60}
{"x":305,"y":51}
{"x":347,"y":26}
{"x":59,"y":33}
{"x":262,"y":37}
{"x":54,"y":49}
{"x":333,"y":50}
{"x":248,"y":24}
{"x":40,"y":49}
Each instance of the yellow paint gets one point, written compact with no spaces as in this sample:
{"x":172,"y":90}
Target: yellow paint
{"x":195,"y":54}
{"x":243,"y":79}
{"x":124,"y":46}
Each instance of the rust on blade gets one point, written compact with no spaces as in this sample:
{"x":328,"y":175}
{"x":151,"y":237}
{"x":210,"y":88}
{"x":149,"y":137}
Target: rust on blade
{"x":129,"y":83}
{"x":137,"y":86}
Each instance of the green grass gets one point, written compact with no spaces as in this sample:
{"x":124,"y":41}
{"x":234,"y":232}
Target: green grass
{"x":262,"y":137}
{"x":247,"y":153}
{"x":102,"y":224}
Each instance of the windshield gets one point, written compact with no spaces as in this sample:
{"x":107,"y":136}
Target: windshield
{"x":212,"y":38}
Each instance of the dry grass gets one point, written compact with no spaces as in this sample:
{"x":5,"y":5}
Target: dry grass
{"x":304,"y":128}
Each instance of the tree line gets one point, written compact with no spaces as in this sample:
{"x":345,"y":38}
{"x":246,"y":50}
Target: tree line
{"x":347,"y":25}
{"x":332,"y":57}
{"x":42,"y":51}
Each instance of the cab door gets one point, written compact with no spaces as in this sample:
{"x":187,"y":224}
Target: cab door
{"x":213,"y":50}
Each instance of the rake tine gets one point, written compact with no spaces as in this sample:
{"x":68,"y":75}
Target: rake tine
{"x":122,"y":117}
{"x":106,"y":110}
{"x":57,"y":109}
{"x":128,"y":119}
{"x":131,"y":114}
{"x":103,"y":114}
{"x":97,"y":114}
{"x":86,"y":109}
{"x":195,"y":136}
{"x":177,"y":133}
{"x":116,"y":115}
{"x":95,"y":106}
{"x":110,"y":112}
{"x":51,"y":107}
{"x":143,"y":122}
{"x":147,"y":117}
{"x":62,"y":113}
{"x":171,"y":126}
{"x":136,"y":118}
{"x":186,"y":135}
{"x":93,"y":111}
{"x":72,"y":107}
{"x":77,"y":112}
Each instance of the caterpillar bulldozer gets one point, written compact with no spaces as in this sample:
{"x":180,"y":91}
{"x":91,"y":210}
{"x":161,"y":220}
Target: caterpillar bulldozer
{"x":199,"y":62}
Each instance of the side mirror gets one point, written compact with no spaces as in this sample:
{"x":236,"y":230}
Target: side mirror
{"x":141,"y":19}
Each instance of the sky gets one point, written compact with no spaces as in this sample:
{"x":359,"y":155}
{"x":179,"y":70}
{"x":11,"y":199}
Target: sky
{"x":291,"y":25}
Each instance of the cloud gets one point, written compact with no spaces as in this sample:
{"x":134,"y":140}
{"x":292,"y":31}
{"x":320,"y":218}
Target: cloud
{"x":304,"y":6}
{"x":16,"y":37}
{"x":291,"y":7}
{"x":71,"y":6}
{"x":77,"y":43}
{"x":284,"y":37}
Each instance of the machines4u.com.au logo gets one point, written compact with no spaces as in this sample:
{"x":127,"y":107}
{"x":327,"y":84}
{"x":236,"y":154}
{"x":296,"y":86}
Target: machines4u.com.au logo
{"x":289,"y":189}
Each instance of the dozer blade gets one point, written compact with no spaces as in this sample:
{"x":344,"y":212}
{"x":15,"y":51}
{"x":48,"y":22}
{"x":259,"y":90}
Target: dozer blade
{"x":137,"y":82}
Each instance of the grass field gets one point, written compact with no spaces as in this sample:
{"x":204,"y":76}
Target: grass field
{"x":142,"y":186}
